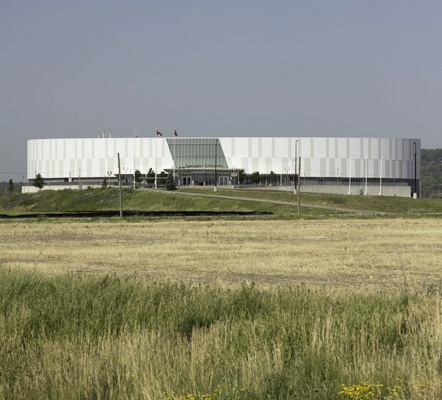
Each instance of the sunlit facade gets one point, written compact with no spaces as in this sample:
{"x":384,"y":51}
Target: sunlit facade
{"x":366,"y":162}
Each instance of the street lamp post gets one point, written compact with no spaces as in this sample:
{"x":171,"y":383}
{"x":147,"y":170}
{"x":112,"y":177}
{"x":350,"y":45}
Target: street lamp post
{"x":135,"y":135}
{"x":299,"y":186}
{"x":156,"y":162}
{"x":380,"y":179}
{"x":296,"y":166}
{"x":349,"y":179}
{"x":366,"y":175}
{"x":216,"y":176}
{"x":287,"y":169}
{"x":415,"y":171}
{"x":119,"y":184}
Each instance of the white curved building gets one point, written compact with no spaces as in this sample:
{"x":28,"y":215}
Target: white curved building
{"x":336,"y":165}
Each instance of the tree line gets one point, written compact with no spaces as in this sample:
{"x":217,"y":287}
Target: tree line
{"x":431,"y":172}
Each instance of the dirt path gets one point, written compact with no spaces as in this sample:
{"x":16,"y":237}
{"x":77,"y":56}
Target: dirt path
{"x":348,"y":210}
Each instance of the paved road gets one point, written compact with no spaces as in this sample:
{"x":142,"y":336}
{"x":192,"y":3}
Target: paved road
{"x":348,"y":210}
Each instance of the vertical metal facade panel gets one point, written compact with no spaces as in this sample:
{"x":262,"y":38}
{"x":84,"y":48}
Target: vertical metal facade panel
{"x":393,"y":149}
{"x":319,"y":148}
{"x":342,"y":148}
{"x":321,"y":157}
{"x":306,"y":167}
{"x":60,"y":149}
{"x":355,"y":148}
{"x":385,"y":148}
{"x":343,"y":168}
{"x":100,"y":149}
{"x":315,"y":167}
{"x":255,"y":147}
{"x":323,"y":170}
{"x":70,"y":148}
{"x":226,"y":144}
{"x":332,"y":148}
{"x":332,"y":172}
{"x":374,"y":148}
{"x":45,"y":145}
{"x":239,"y":147}
{"x":89,"y":169}
{"x":268,"y":164}
{"x":399,"y":149}
{"x":356,"y":168}
{"x":281,"y":147}
{"x":377,"y":168}
{"x":306,"y":151}
{"x":366,"y":148}
{"x":266,"y":147}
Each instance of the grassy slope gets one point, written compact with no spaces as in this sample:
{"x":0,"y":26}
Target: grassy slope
{"x":369,"y":203}
{"x":108,"y":199}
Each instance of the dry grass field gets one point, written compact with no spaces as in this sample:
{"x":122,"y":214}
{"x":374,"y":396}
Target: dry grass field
{"x":340,"y":310}
{"x":379,"y":253}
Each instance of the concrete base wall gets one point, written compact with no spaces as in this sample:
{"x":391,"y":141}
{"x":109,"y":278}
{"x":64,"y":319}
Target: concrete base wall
{"x":33,"y":189}
{"x":399,"y":191}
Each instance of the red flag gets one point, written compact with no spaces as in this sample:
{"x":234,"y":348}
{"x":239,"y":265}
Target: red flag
{"x":159,"y":133}
{"x":174,"y":132}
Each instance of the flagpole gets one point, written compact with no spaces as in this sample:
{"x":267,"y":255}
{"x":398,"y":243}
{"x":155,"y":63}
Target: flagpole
{"x":155,"y":182}
{"x":135,"y":133}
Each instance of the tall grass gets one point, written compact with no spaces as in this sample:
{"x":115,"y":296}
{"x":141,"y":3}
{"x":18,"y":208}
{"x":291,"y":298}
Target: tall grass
{"x":113,"y":337}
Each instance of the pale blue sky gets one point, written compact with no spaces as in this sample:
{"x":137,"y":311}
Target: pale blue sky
{"x":218,"y":68}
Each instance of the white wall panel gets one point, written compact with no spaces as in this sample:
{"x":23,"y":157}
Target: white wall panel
{"x":305,"y":148}
{"x":319,"y":148}
{"x":366,"y":150}
{"x":385,"y":149}
{"x":315,"y":167}
{"x":399,"y":149}
{"x":70,"y":148}
{"x":99,"y":149}
{"x":226,"y":144}
{"x":255,"y":148}
{"x":355,"y":148}
{"x":241,"y":147}
{"x":374,"y":148}
{"x":58,"y":157}
{"x":266,"y":147}
{"x":45,"y":146}
{"x":60,"y":149}
{"x":343,"y":151}
{"x":332,"y":147}
{"x":282,"y":146}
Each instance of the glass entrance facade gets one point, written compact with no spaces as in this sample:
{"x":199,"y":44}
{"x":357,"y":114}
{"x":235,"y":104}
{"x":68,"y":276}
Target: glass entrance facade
{"x":199,"y":162}
{"x":197,"y":153}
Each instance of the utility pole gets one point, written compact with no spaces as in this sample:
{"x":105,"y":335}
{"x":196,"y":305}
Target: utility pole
{"x":299,"y":187}
{"x":366,"y":175}
{"x":119,"y":184}
{"x":380,"y":180}
{"x":215,"y":189}
{"x":135,"y":135}
{"x":156,"y":165}
{"x":349,"y":179}
{"x":415,"y":169}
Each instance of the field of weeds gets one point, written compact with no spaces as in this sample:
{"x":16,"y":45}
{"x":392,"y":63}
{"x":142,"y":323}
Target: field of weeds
{"x":345,"y":309}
